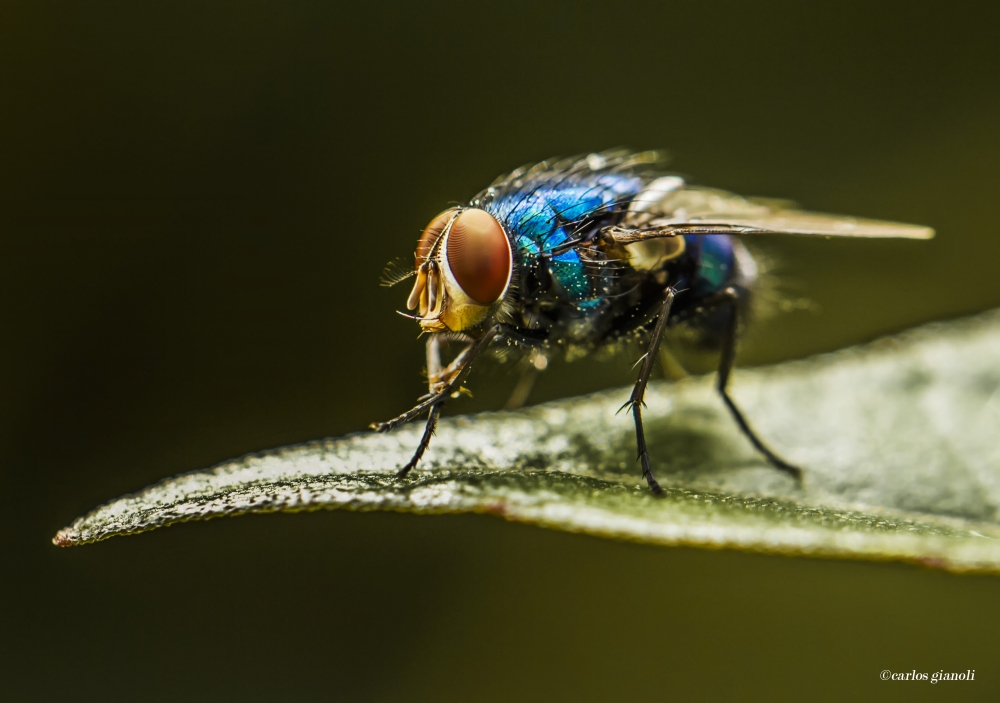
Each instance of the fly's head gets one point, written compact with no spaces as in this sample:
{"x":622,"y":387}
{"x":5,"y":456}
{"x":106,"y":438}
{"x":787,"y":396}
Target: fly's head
{"x":464,"y":266}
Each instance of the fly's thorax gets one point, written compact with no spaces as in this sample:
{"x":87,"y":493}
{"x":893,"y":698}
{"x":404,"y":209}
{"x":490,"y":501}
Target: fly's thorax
{"x":464,"y":267}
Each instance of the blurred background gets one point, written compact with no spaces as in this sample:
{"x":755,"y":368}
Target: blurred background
{"x":196,"y":200}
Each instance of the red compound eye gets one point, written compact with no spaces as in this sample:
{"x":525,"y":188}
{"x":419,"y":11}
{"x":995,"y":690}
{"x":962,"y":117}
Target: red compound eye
{"x":431,"y":234}
{"x":479,"y":256}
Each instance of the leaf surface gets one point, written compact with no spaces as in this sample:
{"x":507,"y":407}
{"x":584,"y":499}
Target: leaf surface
{"x":898,"y":441}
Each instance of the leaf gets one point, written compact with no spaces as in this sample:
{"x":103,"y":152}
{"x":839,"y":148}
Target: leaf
{"x":897,"y":440}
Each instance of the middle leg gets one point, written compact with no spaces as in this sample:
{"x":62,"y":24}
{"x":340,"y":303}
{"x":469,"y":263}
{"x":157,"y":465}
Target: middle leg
{"x":537,"y":363}
{"x":442,"y":384}
{"x":636,"y":402}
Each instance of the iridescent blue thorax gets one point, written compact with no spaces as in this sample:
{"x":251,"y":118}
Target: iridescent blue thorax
{"x":572,"y":286}
{"x":539,"y":217}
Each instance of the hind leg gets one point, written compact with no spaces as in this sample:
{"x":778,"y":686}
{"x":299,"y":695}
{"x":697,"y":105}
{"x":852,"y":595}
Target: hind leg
{"x":729,"y":299}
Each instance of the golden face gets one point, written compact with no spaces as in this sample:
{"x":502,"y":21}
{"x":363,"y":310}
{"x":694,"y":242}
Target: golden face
{"x":464,"y":266}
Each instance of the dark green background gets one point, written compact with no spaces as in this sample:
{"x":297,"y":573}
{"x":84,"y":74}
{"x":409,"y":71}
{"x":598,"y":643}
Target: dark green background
{"x":196,"y":200}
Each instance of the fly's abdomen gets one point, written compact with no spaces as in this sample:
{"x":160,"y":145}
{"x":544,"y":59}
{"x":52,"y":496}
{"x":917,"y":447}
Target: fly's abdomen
{"x":717,"y":262}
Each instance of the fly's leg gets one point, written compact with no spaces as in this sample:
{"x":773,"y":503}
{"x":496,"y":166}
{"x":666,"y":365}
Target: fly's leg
{"x":635,"y":401}
{"x":730,"y":299}
{"x":433,"y":379}
{"x":432,"y":421}
{"x":442,"y":385}
{"x":436,"y":376}
{"x":434,"y":361}
{"x":443,"y":390}
{"x":519,"y":396}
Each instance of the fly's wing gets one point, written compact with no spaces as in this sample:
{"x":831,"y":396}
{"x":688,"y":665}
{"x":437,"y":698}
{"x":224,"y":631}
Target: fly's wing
{"x":693,"y":210}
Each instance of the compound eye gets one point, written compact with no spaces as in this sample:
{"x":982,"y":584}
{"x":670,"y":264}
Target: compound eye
{"x":431,"y":234}
{"x":479,"y":256}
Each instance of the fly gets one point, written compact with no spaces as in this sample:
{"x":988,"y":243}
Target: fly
{"x":567,"y":257}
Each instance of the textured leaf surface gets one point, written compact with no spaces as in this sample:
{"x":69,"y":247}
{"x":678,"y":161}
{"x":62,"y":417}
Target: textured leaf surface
{"x":898,"y":440}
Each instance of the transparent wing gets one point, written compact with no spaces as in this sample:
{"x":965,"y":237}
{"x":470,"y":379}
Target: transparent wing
{"x":694,"y":210}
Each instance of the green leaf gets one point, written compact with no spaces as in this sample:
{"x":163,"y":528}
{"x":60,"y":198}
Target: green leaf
{"x":897,"y":440}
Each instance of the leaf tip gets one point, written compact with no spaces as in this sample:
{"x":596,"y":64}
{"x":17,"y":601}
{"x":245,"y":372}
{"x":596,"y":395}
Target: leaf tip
{"x":64,"y":538}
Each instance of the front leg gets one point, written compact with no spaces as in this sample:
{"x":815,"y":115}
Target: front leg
{"x":635,"y":401}
{"x":433,"y":381}
{"x":432,"y":421}
{"x":442,"y":384}
{"x":436,"y":378}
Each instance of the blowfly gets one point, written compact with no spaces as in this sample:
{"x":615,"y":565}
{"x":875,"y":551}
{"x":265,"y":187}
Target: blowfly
{"x":567,"y":257}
